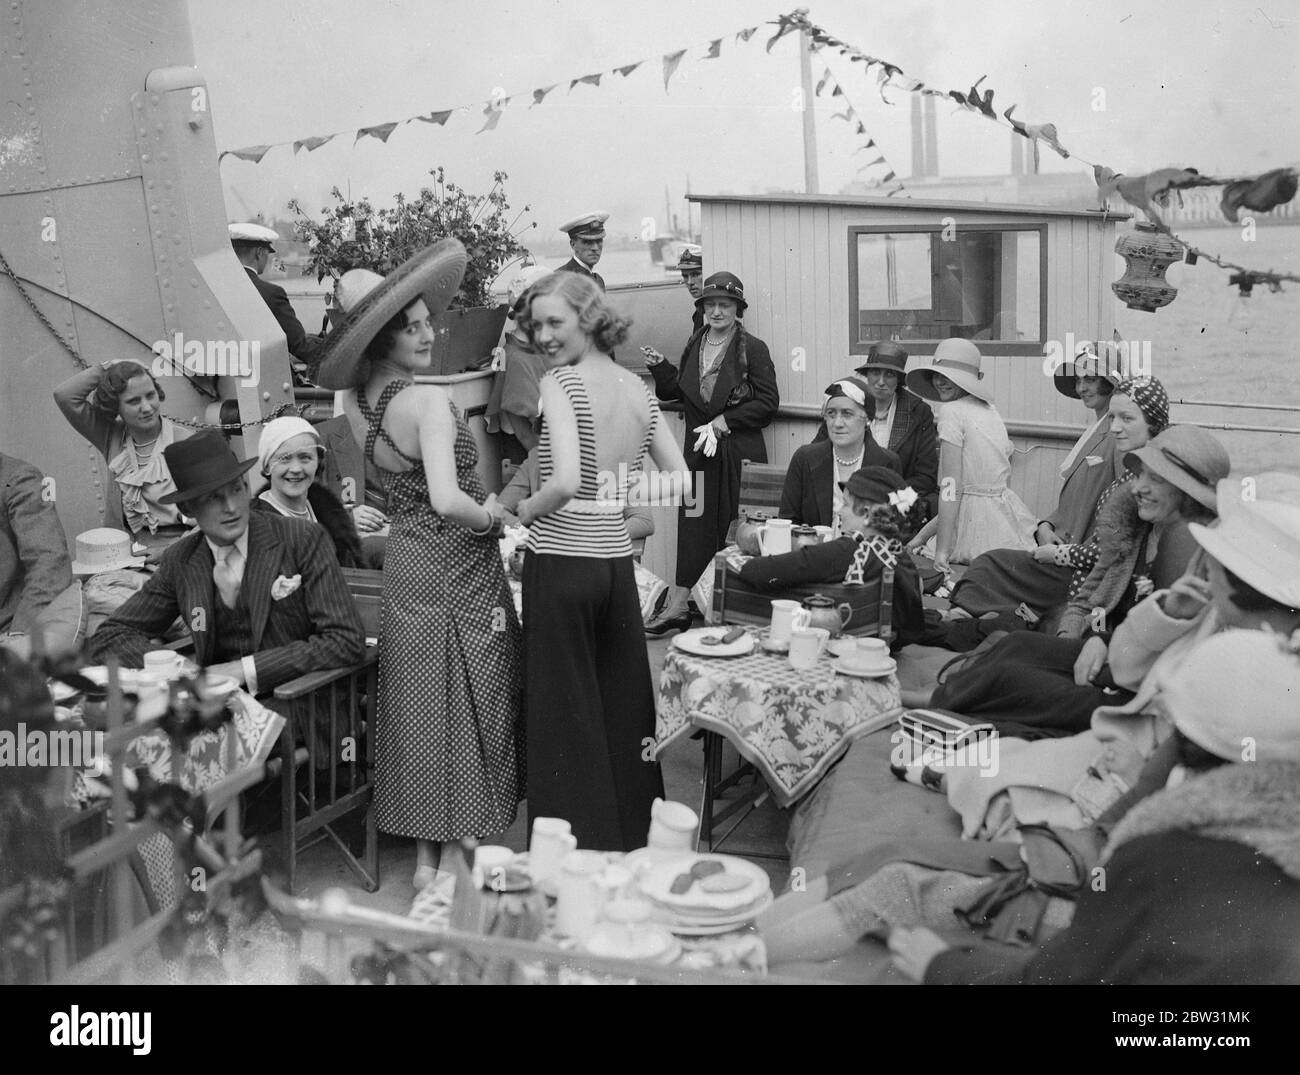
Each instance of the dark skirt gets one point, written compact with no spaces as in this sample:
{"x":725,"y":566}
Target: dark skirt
{"x":702,"y":527}
{"x":1005,"y":578}
{"x":588,"y":700}
{"x":1025,"y":687}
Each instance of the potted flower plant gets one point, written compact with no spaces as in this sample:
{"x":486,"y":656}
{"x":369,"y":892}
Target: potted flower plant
{"x":356,"y":235}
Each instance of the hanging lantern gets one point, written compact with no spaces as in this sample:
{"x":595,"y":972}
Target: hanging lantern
{"x":1148,"y":253}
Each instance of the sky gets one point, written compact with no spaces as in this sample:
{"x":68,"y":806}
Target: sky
{"x":1135,"y":84}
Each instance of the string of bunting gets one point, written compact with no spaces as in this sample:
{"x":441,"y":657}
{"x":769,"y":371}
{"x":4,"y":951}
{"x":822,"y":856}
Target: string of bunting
{"x":1260,"y":193}
{"x":493,"y":109}
{"x":860,"y":129}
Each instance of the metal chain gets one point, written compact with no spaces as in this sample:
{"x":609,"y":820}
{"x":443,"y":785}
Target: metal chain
{"x":83,"y":364}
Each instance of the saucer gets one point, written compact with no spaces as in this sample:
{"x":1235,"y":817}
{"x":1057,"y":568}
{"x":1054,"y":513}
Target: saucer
{"x":885,"y":668}
{"x":773,"y":645}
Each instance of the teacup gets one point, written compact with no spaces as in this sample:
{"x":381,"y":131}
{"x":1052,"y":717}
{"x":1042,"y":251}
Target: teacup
{"x":824,"y":533}
{"x":787,"y":616}
{"x":490,"y":862}
{"x":552,"y":841}
{"x":672,"y":827}
{"x":860,"y":660}
{"x":806,"y":645}
{"x":877,"y":649}
{"x":163,"y":662}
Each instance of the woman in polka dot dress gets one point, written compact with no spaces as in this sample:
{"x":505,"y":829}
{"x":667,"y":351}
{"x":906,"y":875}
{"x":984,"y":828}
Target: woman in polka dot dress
{"x":449,"y":741}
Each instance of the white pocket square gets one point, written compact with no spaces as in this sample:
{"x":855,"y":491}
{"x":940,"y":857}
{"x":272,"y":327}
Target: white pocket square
{"x":1093,"y":460}
{"x":284,"y":586}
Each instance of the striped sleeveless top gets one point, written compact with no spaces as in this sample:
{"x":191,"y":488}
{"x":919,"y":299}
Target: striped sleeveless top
{"x":591,"y":524}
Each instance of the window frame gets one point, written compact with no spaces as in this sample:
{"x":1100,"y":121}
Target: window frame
{"x":927,"y":347}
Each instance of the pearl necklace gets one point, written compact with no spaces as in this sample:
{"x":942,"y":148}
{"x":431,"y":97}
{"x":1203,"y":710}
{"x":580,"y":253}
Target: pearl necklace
{"x":305,"y":513}
{"x":850,"y":462}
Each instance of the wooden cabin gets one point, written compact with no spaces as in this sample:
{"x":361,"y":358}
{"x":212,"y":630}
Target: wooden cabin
{"x":827,"y":275}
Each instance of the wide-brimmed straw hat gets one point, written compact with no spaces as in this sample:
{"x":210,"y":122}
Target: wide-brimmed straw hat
{"x":104,"y":549}
{"x":200,"y":464}
{"x":1237,"y":695}
{"x":433,"y":274}
{"x":886,"y":355}
{"x":959,"y":361}
{"x":1187,"y":457}
{"x":723,"y":285}
{"x":1085,"y":363}
{"x":1258,"y":536}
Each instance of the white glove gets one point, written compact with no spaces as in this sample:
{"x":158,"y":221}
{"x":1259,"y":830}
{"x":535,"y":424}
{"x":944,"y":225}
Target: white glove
{"x":708,"y":439}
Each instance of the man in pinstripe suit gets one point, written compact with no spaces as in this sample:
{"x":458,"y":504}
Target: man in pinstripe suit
{"x":261,"y":595}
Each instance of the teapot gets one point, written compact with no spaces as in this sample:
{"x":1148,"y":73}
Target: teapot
{"x":823,"y":612}
{"x":747,"y":533}
{"x":804,"y":535}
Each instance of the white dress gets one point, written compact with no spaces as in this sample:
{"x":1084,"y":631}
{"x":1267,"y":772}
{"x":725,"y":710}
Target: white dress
{"x":989,"y":515}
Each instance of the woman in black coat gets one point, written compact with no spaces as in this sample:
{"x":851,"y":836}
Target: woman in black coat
{"x":900,"y":421}
{"x":811,"y":494}
{"x":727,"y":386}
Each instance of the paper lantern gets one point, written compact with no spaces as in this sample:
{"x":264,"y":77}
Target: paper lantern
{"x":1147,"y":253}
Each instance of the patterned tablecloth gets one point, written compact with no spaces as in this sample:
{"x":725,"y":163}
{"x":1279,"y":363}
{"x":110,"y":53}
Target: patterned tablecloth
{"x":791,"y":724}
{"x":255,"y":727}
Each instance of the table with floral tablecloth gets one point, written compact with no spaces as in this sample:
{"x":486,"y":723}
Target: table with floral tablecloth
{"x":791,"y":724}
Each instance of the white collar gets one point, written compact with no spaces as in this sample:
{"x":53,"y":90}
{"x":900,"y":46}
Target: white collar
{"x":241,"y":543}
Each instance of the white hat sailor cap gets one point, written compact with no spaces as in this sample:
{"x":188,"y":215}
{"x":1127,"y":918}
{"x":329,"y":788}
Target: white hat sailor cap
{"x":587,"y":226}
{"x":252,"y":233}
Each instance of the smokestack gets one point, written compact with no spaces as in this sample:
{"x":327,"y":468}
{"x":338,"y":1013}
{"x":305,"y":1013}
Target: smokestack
{"x":931,"y":139}
{"x":918,"y":139}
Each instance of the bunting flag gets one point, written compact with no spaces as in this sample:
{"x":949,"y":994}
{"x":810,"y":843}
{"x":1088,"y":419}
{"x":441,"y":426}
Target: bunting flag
{"x":310,"y":144}
{"x":493,"y":113}
{"x":745,"y":35}
{"x":540,"y":95}
{"x":820,"y":85}
{"x":861,"y":128}
{"x":591,"y":80}
{"x":715,"y":50}
{"x":249,"y":153}
{"x":784,"y":25}
{"x":381,"y":131}
{"x":670,"y":65}
{"x":845,"y":115}
{"x":625,"y":71}
{"x":887,"y":177}
{"x":440,"y":118}
{"x":837,"y":91}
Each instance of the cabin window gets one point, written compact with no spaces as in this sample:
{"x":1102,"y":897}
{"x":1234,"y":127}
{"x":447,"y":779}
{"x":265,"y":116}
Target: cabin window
{"x":922,"y":284}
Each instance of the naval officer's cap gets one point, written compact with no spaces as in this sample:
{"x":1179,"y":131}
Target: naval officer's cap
{"x":587,"y":226}
{"x":252,"y":235}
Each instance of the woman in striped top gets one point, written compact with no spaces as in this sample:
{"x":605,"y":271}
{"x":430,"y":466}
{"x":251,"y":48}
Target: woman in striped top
{"x":589,"y":700}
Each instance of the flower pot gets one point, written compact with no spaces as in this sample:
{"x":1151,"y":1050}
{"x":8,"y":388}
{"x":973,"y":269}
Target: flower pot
{"x":464,"y":338}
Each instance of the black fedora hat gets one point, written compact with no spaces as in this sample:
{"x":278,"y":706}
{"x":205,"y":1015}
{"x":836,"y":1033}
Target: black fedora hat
{"x":724,"y":285}
{"x":200,"y":464}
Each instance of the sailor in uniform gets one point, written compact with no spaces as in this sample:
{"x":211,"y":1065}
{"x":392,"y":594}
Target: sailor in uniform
{"x":587,"y":238}
{"x":691,"y":266}
{"x":252,"y":243}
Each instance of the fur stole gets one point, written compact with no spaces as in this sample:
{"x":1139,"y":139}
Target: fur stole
{"x":1252,"y":803}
